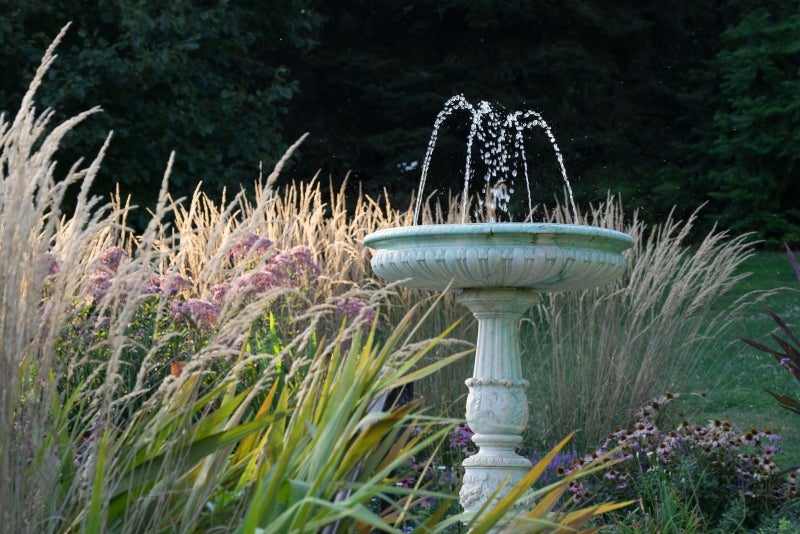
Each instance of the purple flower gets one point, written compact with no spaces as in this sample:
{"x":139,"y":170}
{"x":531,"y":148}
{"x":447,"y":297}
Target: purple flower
{"x":200,"y":312}
{"x":98,"y":284}
{"x":112,"y":257}
{"x":297,"y":264}
{"x":561,"y":462}
{"x":50,"y":261}
{"x":218,"y":292}
{"x":106,"y":266}
{"x":355,"y":311}
{"x":266,"y":279}
{"x":460,"y":436}
{"x":170,"y":284}
{"x":449,"y":477}
{"x":249,"y":245}
{"x":290,"y":268}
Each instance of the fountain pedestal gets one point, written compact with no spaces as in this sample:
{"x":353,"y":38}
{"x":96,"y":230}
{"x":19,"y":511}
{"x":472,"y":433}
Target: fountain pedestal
{"x":498,"y":269}
{"x":497,"y":408}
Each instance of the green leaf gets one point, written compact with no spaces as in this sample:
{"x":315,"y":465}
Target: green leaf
{"x":94,"y":515}
{"x":786,"y":402}
{"x":144,"y":473}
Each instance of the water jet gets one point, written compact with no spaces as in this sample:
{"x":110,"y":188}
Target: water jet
{"x":498,"y":270}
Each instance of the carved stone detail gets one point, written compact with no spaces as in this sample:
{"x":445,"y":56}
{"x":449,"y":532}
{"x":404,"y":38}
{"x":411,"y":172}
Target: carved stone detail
{"x":497,"y":408}
{"x":541,"y":257}
{"x":504,"y":382}
{"x":481,"y":485}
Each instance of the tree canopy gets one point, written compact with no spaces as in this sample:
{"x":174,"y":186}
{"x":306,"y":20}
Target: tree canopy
{"x":208,"y":80}
{"x":744,"y":147}
{"x":666,"y":104}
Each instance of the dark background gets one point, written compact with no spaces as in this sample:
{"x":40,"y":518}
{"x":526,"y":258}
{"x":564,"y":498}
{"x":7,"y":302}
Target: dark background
{"x":667,"y":104}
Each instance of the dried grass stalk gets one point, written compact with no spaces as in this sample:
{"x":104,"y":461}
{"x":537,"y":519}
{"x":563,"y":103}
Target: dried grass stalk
{"x":597,"y":355}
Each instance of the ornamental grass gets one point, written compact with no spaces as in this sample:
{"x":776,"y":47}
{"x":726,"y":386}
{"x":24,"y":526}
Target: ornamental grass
{"x":595,"y":356}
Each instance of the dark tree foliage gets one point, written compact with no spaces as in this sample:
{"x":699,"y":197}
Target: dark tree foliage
{"x":743,"y":151}
{"x":208,"y":79}
{"x":605,"y":75}
{"x":665,"y":103}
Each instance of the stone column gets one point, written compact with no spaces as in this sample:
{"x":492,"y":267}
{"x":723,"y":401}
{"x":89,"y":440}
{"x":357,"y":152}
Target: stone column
{"x":497,"y":408}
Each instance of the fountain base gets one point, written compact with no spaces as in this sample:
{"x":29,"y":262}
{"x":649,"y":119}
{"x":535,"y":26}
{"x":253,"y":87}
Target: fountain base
{"x":497,"y":407}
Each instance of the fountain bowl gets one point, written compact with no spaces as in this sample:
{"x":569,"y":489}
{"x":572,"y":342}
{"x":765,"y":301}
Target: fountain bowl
{"x":541,"y":257}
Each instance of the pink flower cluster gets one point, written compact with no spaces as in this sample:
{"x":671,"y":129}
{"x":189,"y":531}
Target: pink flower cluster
{"x":171,"y":284}
{"x":248,"y":246}
{"x":355,"y":311}
{"x":201,"y":313}
{"x":112,"y":257}
{"x":198,"y":312}
{"x":106,"y":266}
{"x":291,"y":268}
{"x":106,"y":269}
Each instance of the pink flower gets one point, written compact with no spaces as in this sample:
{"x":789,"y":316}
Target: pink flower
{"x":355,"y":311}
{"x":112,"y":257}
{"x":266,"y":279}
{"x":461,"y":436}
{"x":218,"y":292}
{"x":174,"y":283}
{"x":98,"y":284}
{"x":201,"y":313}
{"x":50,"y":261}
{"x":290,"y":268}
{"x":249,"y":245}
{"x":297,"y":264}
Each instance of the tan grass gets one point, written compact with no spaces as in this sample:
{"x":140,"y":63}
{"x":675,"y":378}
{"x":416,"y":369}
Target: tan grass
{"x":597,"y":355}
{"x":30,"y":226}
{"x":638,"y":337}
{"x":306,"y":213}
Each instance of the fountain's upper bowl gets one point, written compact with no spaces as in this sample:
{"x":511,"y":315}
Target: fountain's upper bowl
{"x":541,"y":257}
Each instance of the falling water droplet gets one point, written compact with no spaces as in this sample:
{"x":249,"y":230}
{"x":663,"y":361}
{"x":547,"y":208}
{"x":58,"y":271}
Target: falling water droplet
{"x":492,"y":135}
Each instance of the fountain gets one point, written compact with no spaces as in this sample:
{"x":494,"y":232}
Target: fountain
{"x":498,"y":269}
